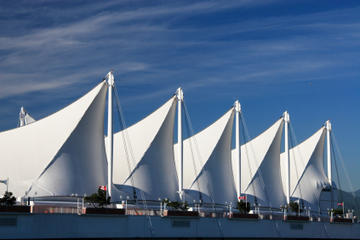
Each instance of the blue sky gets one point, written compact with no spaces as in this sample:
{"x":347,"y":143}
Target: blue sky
{"x":300,"y":56}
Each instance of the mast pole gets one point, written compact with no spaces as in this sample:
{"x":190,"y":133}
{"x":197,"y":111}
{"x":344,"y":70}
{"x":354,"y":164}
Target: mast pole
{"x":287,"y":155}
{"x":328,"y":148}
{"x":110,"y":147}
{"x":180,"y":98}
{"x":22,"y":117}
{"x":237,"y":108}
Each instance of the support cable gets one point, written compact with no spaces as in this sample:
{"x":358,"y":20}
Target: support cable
{"x":317,"y":198}
{"x":189,"y":124}
{"x":252,"y":151}
{"x":126,"y":139}
{"x":294,"y":142}
{"x":246,"y":139}
{"x":337,"y":173}
{"x":347,"y":177}
{"x":192,"y":146}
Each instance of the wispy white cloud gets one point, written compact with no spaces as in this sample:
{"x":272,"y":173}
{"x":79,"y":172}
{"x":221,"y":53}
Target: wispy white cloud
{"x":22,"y":83}
{"x":142,"y":40}
{"x":66,"y":35}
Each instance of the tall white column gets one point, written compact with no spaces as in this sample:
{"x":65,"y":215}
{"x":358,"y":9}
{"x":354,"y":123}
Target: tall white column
{"x":22,"y":116}
{"x":180,"y":98}
{"x":287,"y":155}
{"x":328,"y":148}
{"x":110,"y":81}
{"x":237,"y":108}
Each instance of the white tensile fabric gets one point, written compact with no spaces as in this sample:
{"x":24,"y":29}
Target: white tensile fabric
{"x":25,"y":118}
{"x":144,"y":157}
{"x":260,"y":167}
{"x":307,"y":175}
{"x":61,"y":154}
{"x":207,"y":162}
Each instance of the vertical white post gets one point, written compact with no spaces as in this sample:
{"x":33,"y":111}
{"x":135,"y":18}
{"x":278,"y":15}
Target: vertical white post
{"x":180,"y":98}
{"x":287,"y":155}
{"x":237,"y":108}
{"x":328,"y":148}
{"x":110,"y":78}
{"x":22,"y":115}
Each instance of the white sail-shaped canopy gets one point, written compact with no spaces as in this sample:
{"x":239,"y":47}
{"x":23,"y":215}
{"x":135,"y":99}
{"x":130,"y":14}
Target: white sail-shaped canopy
{"x":260,"y":167}
{"x":24,"y":117}
{"x":307,"y":175}
{"x":144,"y":157}
{"x":61,"y":154}
{"x":207,"y":162}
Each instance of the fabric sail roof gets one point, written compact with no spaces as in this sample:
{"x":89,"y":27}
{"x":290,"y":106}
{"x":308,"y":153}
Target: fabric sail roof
{"x":307,"y":175}
{"x":260,"y":167}
{"x":144,"y":157}
{"x":61,"y":154}
{"x":64,"y":154}
{"x":207,"y":166}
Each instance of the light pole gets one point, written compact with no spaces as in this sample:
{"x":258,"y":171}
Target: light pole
{"x":126,"y":203}
{"x":160,"y":205}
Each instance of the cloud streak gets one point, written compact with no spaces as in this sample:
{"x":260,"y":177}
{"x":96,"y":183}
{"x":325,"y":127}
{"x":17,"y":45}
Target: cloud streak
{"x":154,"y":48}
